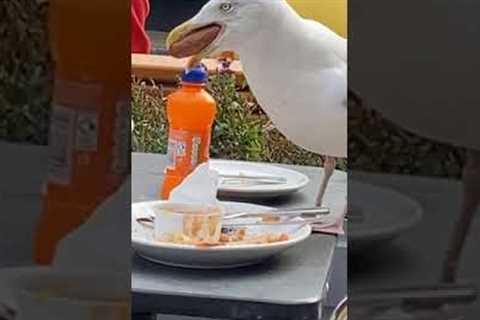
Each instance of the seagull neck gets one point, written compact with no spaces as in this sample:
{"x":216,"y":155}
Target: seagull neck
{"x":281,"y":21}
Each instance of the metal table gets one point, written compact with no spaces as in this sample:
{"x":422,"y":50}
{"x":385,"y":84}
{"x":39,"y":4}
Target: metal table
{"x":416,"y":257}
{"x":290,"y":286}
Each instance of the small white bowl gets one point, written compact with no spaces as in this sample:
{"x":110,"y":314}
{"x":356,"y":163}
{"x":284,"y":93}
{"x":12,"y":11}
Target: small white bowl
{"x":197,"y":222}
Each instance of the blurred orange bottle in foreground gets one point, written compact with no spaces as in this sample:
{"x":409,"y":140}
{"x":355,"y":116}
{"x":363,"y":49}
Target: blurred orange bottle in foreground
{"x":191,"y":111}
{"x":90,"y":125}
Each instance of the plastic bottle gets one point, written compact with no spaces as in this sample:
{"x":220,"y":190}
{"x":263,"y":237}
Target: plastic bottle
{"x":191,"y":111}
{"x":90,"y":126}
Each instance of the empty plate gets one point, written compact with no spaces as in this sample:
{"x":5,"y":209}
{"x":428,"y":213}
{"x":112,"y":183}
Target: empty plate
{"x":256,"y":180}
{"x":377,"y":214}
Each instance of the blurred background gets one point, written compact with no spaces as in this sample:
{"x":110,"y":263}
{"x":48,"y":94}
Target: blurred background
{"x":26,"y":68}
{"x":243,"y":131}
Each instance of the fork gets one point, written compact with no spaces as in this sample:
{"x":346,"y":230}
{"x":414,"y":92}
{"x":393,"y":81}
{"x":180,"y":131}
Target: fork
{"x":309,"y":212}
{"x":309,"y":216}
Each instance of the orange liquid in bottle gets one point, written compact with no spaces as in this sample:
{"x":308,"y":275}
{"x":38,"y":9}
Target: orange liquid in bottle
{"x":191,"y":111}
{"x":89,"y":135}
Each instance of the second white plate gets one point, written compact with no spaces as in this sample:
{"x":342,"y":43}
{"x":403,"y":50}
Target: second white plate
{"x":293,"y":180}
{"x":383,"y":214}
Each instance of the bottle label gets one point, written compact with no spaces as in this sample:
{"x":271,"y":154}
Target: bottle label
{"x":121,"y":138}
{"x":183,"y":149}
{"x":74,"y":127}
{"x":61,"y":139}
{"x":196,"y":141}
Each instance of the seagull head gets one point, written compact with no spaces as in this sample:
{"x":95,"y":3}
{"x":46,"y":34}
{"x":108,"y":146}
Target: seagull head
{"x":221,"y":25}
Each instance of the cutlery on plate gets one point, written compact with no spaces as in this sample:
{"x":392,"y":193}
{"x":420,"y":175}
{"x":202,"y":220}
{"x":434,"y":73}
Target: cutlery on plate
{"x":309,"y":212}
{"x":273,"y":217}
{"x":288,"y":222}
{"x":149,"y":222}
{"x":240,"y":179}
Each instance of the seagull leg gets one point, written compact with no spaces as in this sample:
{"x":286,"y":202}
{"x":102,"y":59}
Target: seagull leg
{"x":193,"y":61}
{"x":470,"y":203}
{"x":328,"y":168}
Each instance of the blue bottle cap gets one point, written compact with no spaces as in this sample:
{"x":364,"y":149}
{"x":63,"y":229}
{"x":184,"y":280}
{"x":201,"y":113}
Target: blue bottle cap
{"x":197,"y":74}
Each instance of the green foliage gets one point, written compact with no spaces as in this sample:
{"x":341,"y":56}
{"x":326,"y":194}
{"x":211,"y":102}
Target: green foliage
{"x":396,"y":150}
{"x":25,"y":72}
{"x":241,"y":130}
{"x":238,"y":132}
{"x":149,"y":118}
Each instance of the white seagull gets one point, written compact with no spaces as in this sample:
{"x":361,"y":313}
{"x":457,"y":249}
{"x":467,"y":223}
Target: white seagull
{"x":430,"y":88}
{"x":296,"y":68}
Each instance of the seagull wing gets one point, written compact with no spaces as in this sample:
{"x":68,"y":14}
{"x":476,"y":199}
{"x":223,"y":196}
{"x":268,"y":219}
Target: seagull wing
{"x":333,"y":40}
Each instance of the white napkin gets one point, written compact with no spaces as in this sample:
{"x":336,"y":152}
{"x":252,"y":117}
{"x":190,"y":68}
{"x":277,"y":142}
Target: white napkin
{"x":200,"y":187}
{"x":335,"y":223}
{"x":103,"y":242}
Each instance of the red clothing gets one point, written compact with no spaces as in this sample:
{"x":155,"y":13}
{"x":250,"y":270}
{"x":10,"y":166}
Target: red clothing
{"x":140,"y":40}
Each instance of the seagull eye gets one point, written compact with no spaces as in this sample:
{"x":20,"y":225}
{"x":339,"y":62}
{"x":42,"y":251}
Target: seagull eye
{"x":226,"y":7}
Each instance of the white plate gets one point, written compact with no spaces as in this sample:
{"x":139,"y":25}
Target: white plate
{"x":15,"y":280}
{"x":294,"y":180}
{"x":386,"y":215}
{"x":221,"y":257}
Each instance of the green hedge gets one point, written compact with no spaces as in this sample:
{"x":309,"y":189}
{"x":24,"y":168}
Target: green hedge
{"x":241,"y":130}
{"x":25,"y":72}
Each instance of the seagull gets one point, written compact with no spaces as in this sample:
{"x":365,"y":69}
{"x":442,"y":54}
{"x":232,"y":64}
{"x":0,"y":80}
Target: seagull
{"x":295,"y":67}
{"x":429,"y":88}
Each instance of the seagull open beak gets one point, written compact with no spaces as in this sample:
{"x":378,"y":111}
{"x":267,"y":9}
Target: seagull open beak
{"x":189,"y":39}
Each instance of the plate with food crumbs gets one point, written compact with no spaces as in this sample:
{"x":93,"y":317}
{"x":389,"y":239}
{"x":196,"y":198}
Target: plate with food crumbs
{"x":256,"y":180}
{"x":236,"y":246}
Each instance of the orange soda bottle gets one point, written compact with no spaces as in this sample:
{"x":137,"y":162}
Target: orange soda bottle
{"x":90,"y":124}
{"x":191,"y":111}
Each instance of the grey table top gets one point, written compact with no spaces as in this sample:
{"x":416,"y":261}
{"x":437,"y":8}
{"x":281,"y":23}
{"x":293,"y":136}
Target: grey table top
{"x":22,"y":172}
{"x":413,"y":256}
{"x":417,"y":256}
{"x":290,"y":286}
